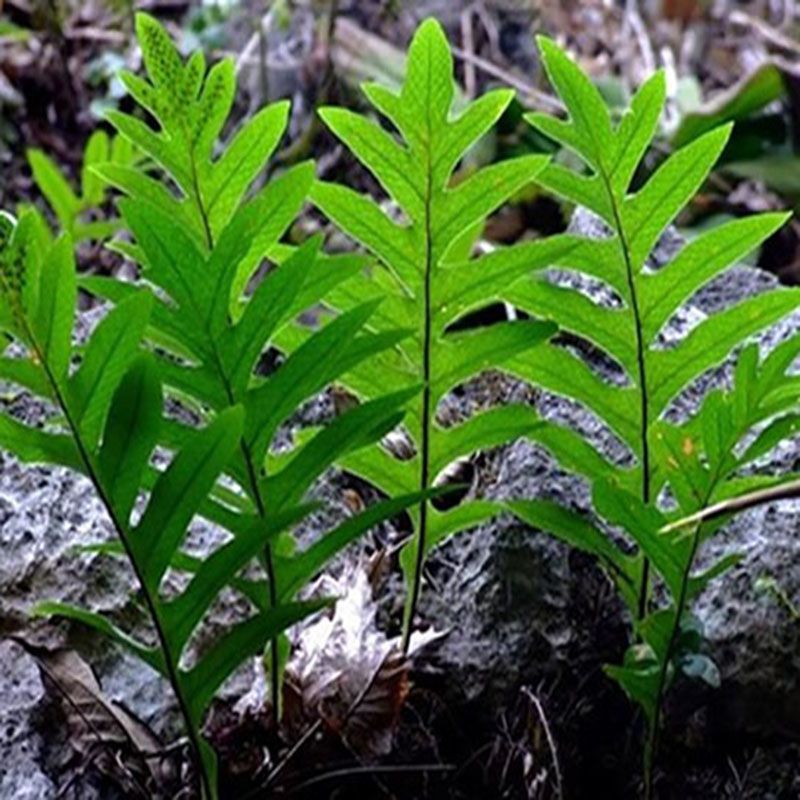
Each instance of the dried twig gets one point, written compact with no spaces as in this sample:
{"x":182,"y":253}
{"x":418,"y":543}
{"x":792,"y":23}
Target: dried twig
{"x":789,"y":14}
{"x":786,"y":491}
{"x":633,"y":20}
{"x":489,"y":26}
{"x":255,"y":42}
{"x":370,"y":769}
{"x":771,"y":35}
{"x":90,"y":33}
{"x":468,"y":38}
{"x":535,"y":96}
{"x":311,"y":731}
{"x":551,"y":743}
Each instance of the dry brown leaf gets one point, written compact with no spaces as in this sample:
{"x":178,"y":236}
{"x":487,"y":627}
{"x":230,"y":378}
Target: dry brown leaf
{"x":346,"y":671}
{"x":101,"y":730}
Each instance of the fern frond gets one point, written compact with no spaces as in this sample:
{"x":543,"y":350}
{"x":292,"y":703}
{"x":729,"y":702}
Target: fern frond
{"x":111,"y":405}
{"x":422,"y":279}
{"x":212,"y":321}
{"x":628,"y":331}
{"x":698,"y":461}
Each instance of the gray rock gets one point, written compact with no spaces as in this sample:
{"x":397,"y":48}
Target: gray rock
{"x":751,"y":636}
{"x":505,"y":594}
{"x":46,"y":514}
{"x":21,"y":743}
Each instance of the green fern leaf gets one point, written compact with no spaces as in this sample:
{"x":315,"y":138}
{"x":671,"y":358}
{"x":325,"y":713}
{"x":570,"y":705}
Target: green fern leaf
{"x":628,"y":331}
{"x":106,"y":359}
{"x":70,"y":208}
{"x":130,"y":435}
{"x":419,"y":281}
{"x":698,"y":461}
{"x":213,"y":318}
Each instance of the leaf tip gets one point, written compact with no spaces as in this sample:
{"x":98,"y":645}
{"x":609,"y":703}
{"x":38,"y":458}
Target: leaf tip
{"x":430,"y":28}
{"x":143,"y":23}
{"x":547,"y":46}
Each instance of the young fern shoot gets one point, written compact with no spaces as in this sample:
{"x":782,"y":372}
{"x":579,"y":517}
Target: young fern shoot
{"x":705,"y":460}
{"x":70,"y":208}
{"x":200,"y":250}
{"x":112,"y":411}
{"x":425,"y":281}
{"x":652,"y":374}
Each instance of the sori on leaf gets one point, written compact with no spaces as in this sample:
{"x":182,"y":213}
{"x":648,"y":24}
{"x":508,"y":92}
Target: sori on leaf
{"x":215,"y":315}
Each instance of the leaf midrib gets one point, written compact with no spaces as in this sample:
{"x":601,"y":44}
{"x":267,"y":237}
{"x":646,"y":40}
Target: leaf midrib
{"x":426,"y":363}
{"x":250,"y":467}
{"x":640,"y":362}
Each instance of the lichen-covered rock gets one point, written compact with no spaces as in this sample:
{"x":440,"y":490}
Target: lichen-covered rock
{"x":21,"y":743}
